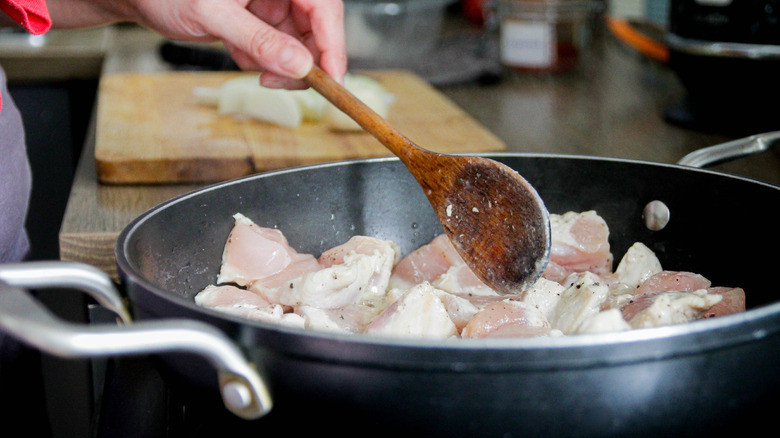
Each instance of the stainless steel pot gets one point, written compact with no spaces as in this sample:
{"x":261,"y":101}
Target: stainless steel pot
{"x":688,"y":378}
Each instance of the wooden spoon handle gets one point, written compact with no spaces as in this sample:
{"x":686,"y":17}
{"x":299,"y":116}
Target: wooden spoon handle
{"x":367,"y":118}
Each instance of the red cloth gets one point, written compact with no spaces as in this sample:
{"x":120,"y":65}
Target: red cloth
{"x":33,"y":15}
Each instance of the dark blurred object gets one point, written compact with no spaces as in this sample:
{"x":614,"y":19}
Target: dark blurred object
{"x":192,"y":57}
{"x":726,"y":53}
{"x":457,"y":59}
{"x":22,"y":404}
{"x":56,"y":116}
{"x":473,"y":11}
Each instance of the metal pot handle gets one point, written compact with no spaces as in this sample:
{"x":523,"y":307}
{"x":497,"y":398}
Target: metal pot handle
{"x":720,"y":153}
{"x":243,"y":391}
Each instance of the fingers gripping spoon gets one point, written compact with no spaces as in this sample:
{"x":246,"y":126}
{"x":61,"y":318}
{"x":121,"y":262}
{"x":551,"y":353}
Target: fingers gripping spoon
{"x":492,"y":215}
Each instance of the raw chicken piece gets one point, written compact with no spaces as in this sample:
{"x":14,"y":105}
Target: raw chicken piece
{"x":360,"y":245}
{"x":274,"y":313}
{"x":229,"y":295}
{"x":637,"y":265}
{"x":578,"y":302}
{"x":507,"y":318}
{"x":579,"y":243}
{"x":261,"y":258}
{"x":673,"y":280}
{"x":460,"y":309}
{"x":385,"y":253}
{"x":240,"y":302}
{"x":359,"y":278}
{"x":273,"y":286}
{"x":426,"y":263}
{"x":349,"y":319}
{"x":461,"y":280}
{"x":665,"y":281}
{"x":672,"y":307}
{"x":619,"y":296}
{"x":439,"y":264}
{"x":480,"y":301}
{"x":418,"y":313}
{"x":636,"y":304}
{"x":733,"y":301}
{"x":610,"y":320}
{"x":544,"y":295}
{"x":706,"y":302}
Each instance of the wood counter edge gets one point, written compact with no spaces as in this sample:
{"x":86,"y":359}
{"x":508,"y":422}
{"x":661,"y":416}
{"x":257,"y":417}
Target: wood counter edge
{"x":96,"y":249}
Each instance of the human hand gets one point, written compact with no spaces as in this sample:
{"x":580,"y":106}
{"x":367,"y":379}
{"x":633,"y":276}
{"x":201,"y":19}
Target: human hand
{"x":281,"y":38}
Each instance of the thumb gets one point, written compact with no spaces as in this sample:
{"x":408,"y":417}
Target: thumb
{"x":294,"y":59}
{"x":257,"y":45}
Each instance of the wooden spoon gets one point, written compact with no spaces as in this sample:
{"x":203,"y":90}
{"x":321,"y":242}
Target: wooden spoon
{"x":493,"y":216}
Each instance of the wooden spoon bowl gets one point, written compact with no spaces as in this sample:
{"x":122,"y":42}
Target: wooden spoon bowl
{"x":492,"y":215}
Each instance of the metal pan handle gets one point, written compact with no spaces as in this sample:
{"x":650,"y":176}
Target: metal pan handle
{"x":243,"y":391}
{"x":721,"y":153}
{"x":67,"y":275}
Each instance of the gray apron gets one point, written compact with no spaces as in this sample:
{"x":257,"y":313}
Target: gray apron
{"x":15,"y":180}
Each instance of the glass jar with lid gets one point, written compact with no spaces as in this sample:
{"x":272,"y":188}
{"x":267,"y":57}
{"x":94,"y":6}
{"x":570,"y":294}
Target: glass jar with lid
{"x":541,"y":35}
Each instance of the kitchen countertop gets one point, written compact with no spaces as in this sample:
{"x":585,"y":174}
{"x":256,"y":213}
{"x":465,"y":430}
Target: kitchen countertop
{"x":611,"y":105}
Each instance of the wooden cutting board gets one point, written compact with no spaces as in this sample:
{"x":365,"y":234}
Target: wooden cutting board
{"x":150,"y":129}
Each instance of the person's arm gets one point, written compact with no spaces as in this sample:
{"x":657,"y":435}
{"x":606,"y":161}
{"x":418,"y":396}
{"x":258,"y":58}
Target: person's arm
{"x":281,"y":38}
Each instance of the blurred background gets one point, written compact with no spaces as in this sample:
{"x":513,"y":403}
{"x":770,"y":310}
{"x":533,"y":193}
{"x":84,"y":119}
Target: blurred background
{"x":646,"y":80}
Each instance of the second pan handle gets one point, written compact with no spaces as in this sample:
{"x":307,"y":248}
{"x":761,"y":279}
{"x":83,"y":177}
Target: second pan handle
{"x":732,"y":150}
